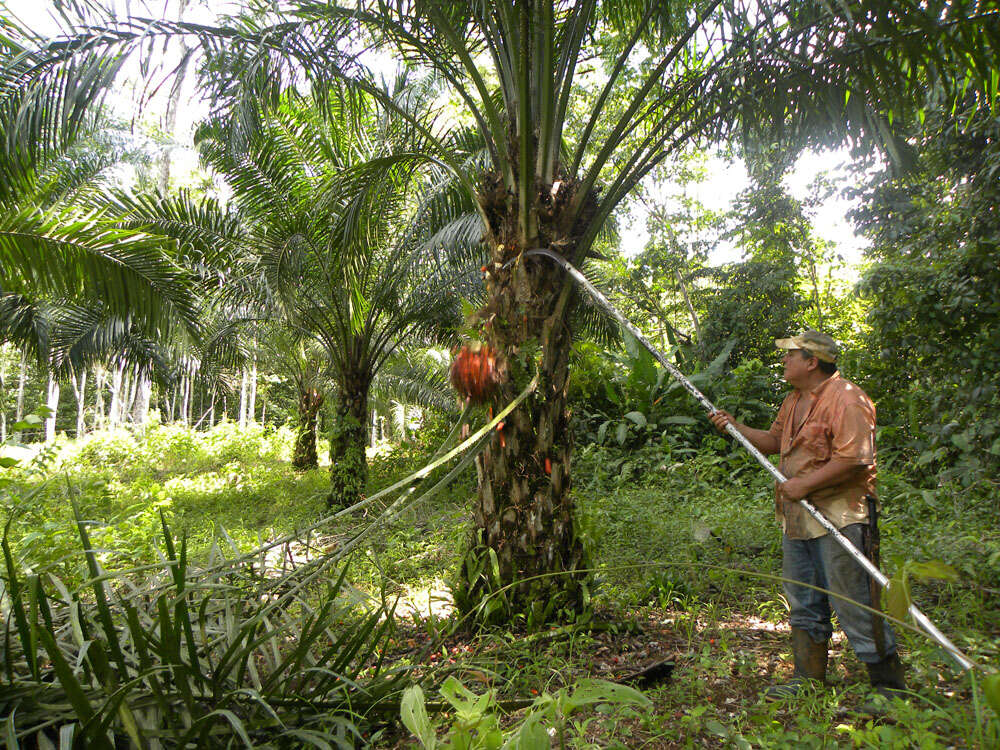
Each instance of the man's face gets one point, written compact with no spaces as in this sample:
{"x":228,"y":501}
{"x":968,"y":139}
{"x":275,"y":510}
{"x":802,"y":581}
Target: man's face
{"x":796,"y":367}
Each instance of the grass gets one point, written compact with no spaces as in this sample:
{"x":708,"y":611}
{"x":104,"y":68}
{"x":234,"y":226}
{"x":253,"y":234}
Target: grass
{"x":683,"y":545}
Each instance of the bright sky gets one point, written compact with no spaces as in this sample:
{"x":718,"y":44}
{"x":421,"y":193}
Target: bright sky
{"x":723,"y":183}
{"x":725,"y":180}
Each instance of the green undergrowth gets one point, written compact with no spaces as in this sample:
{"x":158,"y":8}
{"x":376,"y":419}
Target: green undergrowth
{"x":684,"y":541}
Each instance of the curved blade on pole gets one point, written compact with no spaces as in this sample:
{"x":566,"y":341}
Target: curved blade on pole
{"x":919,"y":617}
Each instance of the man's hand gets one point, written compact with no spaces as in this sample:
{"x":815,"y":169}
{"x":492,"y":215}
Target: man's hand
{"x":794,"y":489}
{"x":720,"y":419}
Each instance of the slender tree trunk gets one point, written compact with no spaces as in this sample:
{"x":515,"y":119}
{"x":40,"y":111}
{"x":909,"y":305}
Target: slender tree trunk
{"x":115,"y":410}
{"x":79,"y":383}
{"x":170,"y":116}
{"x":193,"y":368}
{"x":374,"y":432}
{"x":252,"y":397}
{"x":211,"y":411}
{"x":525,"y":559}
{"x":185,"y":395}
{"x":53,"y":403}
{"x":21,"y":378}
{"x":144,"y":390}
{"x":128,"y":406}
{"x":304,"y":455}
{"x":694,"y":315}
{"x":244,"y":387}
{"x":100,"y":378}
{"x":348,"y":465}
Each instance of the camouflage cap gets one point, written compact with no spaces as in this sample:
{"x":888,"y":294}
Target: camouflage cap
{"x":817,"y":344}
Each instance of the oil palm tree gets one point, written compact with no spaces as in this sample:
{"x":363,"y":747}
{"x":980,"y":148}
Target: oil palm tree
{"x":299,"y":357}
{"x":563,"y":156}
{"x":324,"y":236}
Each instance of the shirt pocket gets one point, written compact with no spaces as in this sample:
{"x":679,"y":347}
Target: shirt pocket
{"x":817,"y":439}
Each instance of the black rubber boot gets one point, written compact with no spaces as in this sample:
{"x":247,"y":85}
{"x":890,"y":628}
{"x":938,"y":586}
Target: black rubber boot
{"x":810,"y":664}
{"x":888,"y":682}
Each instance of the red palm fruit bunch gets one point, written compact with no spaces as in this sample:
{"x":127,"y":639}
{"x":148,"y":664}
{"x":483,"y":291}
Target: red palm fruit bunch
{"x":474,"y":372}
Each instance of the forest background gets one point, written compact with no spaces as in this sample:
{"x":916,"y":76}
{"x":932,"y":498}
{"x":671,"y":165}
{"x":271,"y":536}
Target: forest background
{"x":246,"y":386}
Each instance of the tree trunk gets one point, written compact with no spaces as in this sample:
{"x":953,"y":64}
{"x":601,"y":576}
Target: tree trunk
{"x":100,"y":378}
{"x":252,"y":397}
{"x":211,"y":411}
{"x":348,"y":464}
{"x":115,"y":410}
{"x":304,"y":456}
{"x":170,"y":117}
{"x":524,"y":536}
{"x":694,"y":315}
{"x":80,"y":391}
{"x":21,"y":378}
{"x":244,"y":385}
{"x":53,"y":403}
{"x":144,"y":389}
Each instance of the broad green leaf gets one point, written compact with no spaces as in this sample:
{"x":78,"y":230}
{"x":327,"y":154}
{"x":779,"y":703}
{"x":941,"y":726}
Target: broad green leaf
{"x":621,"y":432}
{"x":470,"y":706}
{"x":494,"y":564}
{"x":991,"y":690}
{"x":601,"y":691}
{"x":533,"y":736}
{"x":6,"y":462}
{"x":933,"y":569}
{"x":413,"y":713}
{"x":898,"y":598}
{"x":716,"y":728}
{"x":636,"y":417}
{"x":10,"y":732}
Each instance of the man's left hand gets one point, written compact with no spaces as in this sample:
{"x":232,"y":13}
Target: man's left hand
{"x":794,"y":489}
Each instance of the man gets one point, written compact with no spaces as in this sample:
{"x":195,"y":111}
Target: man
{"x":825,"y":434}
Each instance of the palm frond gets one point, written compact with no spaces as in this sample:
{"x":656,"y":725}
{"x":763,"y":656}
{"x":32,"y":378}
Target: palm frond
{"x":90,"y":258}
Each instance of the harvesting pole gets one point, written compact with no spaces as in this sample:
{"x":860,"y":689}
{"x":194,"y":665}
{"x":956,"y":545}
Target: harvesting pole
{"x":919,"y":617}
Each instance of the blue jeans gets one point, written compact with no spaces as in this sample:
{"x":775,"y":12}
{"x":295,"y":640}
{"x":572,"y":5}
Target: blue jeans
{"x":824,"y":563}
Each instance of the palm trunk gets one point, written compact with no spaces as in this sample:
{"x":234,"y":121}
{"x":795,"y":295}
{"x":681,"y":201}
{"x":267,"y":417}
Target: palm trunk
{"x":348,"y":464}
{"x":144,"y":390}
{"x":53,"y":403}
{"x":80,"y":391}
{"x":243,"y":399}
{"x":100,"y":378}
{"x":189,"y":396}
{"x":525,"y":558}
{"x":252,"y":397}
{"x":21,"y":378}
{"x":115,"y":410}
{"x":304,"y":457}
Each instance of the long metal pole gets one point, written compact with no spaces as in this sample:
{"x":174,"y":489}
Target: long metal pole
{"x":919,"y":617}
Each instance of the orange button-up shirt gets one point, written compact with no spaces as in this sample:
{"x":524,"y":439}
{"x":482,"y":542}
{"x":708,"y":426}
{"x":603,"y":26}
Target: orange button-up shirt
{"x":840,"y":424}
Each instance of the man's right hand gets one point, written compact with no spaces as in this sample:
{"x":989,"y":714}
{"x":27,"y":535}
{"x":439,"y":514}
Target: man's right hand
{"x":721,"y":418}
